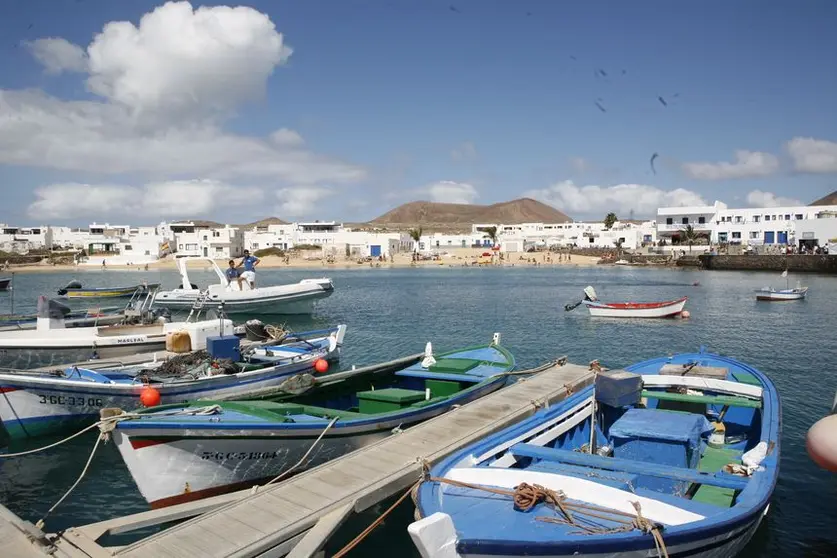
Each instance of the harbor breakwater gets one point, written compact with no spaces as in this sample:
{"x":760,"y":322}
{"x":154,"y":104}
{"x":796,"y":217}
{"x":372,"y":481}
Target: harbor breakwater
{"x":792,"y":262}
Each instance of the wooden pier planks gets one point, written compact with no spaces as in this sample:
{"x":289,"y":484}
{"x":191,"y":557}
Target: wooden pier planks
{"x":280,"y":513}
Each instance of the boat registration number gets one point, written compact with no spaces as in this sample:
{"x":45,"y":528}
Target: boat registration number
{"x":125,"y":340}
{"x":70,"y":400}
{"x":240,"y":455}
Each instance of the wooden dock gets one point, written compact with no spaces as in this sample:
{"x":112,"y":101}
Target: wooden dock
{"x":299,"y":514}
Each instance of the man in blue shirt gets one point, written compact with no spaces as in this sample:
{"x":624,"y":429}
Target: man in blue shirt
{"x":233,"y":274}
{"x":250,"y":262}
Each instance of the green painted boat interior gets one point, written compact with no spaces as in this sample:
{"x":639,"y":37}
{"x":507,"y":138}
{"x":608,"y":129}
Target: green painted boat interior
{"x":396,"y":390}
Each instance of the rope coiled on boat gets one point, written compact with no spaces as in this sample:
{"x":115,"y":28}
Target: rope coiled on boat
{"x":526,"y":496}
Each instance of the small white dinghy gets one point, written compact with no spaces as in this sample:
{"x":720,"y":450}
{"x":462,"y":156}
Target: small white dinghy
{"x":51,"y":343}
{"x":770,"y":294}
{"x":293,"y":298}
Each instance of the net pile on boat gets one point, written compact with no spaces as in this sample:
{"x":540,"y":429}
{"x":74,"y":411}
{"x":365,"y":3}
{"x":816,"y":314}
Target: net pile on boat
{"x":190,"y":365}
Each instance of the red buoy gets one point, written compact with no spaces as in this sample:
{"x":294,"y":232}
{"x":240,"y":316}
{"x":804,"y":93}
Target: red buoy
{"x":321,"y":365}
{"x":149,"y":397}
{"x":821,"y":443}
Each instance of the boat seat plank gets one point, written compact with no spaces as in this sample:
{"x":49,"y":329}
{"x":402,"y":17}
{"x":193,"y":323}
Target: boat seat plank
{"x":723,"y":400}
{"x":439,"y":376}
{"x":713,"y":460}
{"x":628,"y":466}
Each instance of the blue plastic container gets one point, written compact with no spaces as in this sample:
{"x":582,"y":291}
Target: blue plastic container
{"x":224,"y":347}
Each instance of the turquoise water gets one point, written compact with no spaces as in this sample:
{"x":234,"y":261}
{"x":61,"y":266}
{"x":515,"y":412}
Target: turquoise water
{"x":393,"y":312}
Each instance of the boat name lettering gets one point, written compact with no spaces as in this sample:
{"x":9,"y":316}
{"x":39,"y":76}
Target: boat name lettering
{"x":140,"y":339}
{"x":70,"y":400}
{"x":241,"y":455}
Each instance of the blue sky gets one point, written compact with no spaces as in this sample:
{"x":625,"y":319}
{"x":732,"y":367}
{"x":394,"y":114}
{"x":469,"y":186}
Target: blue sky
{"x":381,"y":102}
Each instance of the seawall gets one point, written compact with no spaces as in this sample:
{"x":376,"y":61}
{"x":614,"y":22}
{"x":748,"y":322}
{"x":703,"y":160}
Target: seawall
{"x":793,"y":262}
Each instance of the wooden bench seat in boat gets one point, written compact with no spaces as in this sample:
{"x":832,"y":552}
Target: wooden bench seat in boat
{"x":722,"y":480}
{"x":723,"y":400}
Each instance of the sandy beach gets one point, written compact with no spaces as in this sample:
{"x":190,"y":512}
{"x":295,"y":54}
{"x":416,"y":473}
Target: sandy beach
{"x":453,"y":258}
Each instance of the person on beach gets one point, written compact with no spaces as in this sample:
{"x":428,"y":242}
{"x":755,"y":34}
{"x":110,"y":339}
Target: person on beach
{"x":250,"y":262}
{"x":233,"y":274}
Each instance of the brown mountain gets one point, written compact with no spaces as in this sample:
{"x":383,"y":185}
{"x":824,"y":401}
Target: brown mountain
{"x":830,"y":199}
{"x":263,"y":223}
{"x":448,"y":216}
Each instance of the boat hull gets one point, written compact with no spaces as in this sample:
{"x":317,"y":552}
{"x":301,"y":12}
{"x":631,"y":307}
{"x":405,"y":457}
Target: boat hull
{"x":637,"y":310}
{"x":723,"y":545}
{"x":180,"y":464}
{"x":780,"y":296}
{"x":38,"y":405}
{"x":118,"y":292}
{"x":5,"y":284}
{"x":27,"y":358}
{"x":234,"y":303}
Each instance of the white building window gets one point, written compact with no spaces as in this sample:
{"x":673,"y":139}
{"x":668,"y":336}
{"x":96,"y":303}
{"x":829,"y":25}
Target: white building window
{"x":754,"y":234}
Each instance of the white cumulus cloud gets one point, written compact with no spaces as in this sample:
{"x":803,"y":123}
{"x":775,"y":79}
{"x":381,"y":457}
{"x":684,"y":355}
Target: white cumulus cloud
{"x":153,"y":200}
{"x":448,"y":191}
{"x":58,"y":55}
{"x":181,"y":58}
{"x":166,"y":87}
{"x":747,"y":164}
{"x":757,"y":198}
{"x":813,"y":155}
{"x":297,"y":202}
{"x":592,"y":200}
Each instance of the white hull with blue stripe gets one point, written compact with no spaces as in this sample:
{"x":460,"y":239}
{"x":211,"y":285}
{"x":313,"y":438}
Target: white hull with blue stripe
{"x":701,"y":487}
{"x":41,"y":404}
{"x":178,"y":458}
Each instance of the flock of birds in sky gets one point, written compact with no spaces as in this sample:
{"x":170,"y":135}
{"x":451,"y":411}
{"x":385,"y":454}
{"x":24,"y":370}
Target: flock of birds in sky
{"x":599,"y":102}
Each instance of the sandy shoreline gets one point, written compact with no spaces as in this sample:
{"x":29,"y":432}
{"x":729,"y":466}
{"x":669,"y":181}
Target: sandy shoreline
{"x":459,"y":258}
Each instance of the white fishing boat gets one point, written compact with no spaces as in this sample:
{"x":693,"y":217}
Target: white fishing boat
{"x":597,"y":308}
{"x":40,"y":403}
{"x":772,"y":295}
{"x":293,"y":298}
{"x":51,"y":343}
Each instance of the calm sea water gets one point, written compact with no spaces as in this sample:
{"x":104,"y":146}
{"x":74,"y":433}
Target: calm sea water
{"x":394,"y":312}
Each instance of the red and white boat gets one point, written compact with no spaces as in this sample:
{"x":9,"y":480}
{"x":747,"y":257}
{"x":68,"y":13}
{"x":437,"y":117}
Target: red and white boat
{"x":666,"y":309}
{"x":601,"y":309}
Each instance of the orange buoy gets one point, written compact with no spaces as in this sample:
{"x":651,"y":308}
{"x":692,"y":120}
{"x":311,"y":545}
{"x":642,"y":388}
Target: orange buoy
{"x":321,"y":365}
{"x":149,"y":397}
{"x":821,"y":443}
{"x":685,"y":314}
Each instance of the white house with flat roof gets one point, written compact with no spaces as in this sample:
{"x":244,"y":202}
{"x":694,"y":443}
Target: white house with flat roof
{"x":672,"y":220}
{"x":775,"y":225}
{"x":22,"y":239}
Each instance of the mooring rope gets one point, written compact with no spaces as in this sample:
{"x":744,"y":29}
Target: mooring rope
{"x":526,"y":496}
{"x":304,"y":457}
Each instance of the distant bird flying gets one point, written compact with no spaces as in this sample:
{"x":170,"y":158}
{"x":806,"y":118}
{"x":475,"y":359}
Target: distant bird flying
{"x":653,"y":157}
{"x":663,"y":101}
{"x":454,"y":9}
{"x":601,"y":72}
{"x":601,"y":108}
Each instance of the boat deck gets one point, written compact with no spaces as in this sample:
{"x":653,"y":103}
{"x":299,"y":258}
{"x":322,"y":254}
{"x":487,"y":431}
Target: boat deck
{"x":275,"y":519}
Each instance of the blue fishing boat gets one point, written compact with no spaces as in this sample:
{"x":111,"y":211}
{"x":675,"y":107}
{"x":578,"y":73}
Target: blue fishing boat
{"x":676,"y":456}
{"x":212,"y":447}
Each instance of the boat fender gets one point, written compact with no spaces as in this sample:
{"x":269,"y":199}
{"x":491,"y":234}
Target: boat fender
{"x":821,"y":443}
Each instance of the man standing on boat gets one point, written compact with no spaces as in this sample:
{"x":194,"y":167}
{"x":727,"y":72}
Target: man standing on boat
{"x":249,"y":274}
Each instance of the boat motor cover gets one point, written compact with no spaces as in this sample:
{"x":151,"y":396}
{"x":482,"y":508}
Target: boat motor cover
{"x":52,"y":309}
{"x":618,"y":388}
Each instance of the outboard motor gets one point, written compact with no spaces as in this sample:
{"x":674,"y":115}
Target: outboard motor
{"x":255,"y":330}
{"x":71,"y":285}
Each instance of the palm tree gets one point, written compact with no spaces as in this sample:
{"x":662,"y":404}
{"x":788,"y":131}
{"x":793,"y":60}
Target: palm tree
{"x":609,"y":220}
{"x":491,"y":233}
{"x":415,"y":234}
{"x":618,"y":243}
{"x":689,"y":235}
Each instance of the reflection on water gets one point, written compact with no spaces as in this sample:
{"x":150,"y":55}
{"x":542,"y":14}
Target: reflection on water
{"x":393,"y":312}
